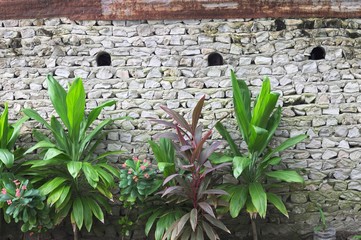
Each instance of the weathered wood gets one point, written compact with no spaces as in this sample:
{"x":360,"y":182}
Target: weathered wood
{"x":177,"y":9}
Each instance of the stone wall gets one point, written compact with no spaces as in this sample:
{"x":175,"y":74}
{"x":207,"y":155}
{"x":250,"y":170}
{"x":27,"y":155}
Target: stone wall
{"x":166,"y":62}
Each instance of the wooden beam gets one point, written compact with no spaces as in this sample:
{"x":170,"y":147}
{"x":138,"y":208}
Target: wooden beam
{"x":177,"y":9}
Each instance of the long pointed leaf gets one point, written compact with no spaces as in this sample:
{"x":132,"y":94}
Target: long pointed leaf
{"x":197,"y":113}
{"x":286,"y":144}
{"x":286,"y":175}
{"x":57,"y":95}
{"x":258,"y":197}
{"x":277,"y":202}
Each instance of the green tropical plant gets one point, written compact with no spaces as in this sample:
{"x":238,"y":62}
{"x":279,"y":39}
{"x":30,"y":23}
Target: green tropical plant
{"x":138,"y":179}
{"x":9,"y":153}
{"x":191,"y":193}
{"x":164,"y":154}
{"x":75,"y":179}
{"x":9,"y":133}
{"x":25,"y":204}
{"x":257,"y":127}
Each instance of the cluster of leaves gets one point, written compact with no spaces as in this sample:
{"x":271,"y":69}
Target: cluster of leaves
{"x":138,"y":179}
{"x":9,"y":133}
{"x":24,"y":204}
{"x":75,"y":180}
{"x":191,"y":191}
{"x":257,"y":128}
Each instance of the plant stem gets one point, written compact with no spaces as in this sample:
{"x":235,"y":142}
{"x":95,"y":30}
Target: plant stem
{"x":75,"y":231}
{"x":1,"y":223}
{"x":254,"y":229}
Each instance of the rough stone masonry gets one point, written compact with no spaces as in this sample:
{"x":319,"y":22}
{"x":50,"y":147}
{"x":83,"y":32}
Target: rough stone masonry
{"x":166,"y":62}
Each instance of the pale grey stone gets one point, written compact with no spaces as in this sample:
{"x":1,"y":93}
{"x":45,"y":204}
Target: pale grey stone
{"x":309,"y":68}
{"x":104,"y":73}
{"x":281,"y":59}
{"x":180,"y":84}
{"x":81,"y":73}
{"x":354,"y":185}
{"x":262,"y":36}
{"x":245,"y":61}
{"x":353,"y":132}
{"x":236,"y":49}
{"x":151,"y":84}
{"x":204,"y":39}
{"x":314,"y":144}
{"x":327,"y":143}
{"x":177,"y":31}
{"x":190,"y":52}
{"x":113,"y":136}
{"x":328,"y":154}
{"x":331,"y":111}
{"x":351,"y":87}
{"x":154,"y":62}
{"x":122,"y":74}
{"x":184,"y":95}
{"x":154,"y":73}
{"x":62,"y":72}
{"x":259,"y":60}
{"x":355,"y":174}
{"x":355,"y":156}
{"x":291,"y":68}
{"x":341,"y":174}
{"x":175,"y":40}
{"x":144,"y":30}
{"x":214,"y":72}
{"x":343,"y":144}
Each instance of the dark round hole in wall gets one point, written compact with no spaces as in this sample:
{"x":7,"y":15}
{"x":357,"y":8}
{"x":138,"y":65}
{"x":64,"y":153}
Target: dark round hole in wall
{"x":215,"y":59}
{"x":103,"y":59}
{"x":318,"y":53}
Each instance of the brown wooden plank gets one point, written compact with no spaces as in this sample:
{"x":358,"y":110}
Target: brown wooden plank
{"x":177,"y":9}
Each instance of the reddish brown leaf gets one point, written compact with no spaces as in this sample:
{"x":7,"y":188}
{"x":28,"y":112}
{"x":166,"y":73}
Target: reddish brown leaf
{"x":197,"y":113}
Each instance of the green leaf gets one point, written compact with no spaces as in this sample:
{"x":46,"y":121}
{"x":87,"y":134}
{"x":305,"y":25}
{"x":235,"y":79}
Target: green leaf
{"x":193,"y":217}
{"x":75,"y":101}
{"x":41,"y":144}
{"x":218,"y":158}
{"x":259,"y":198}
{"x":266,"y":102}
{"x":93,"y":115}
{"x":74,"y":168}
{"x":257,"y":138}
{"x":286,"y":175}
{"x":241,"y":102}
{"x":16,"y":132}
{"x":239,"y":164}
{"x":90,"y":174}
{"x":225,"y":134}
{"x":238,"y":201}
{"x":151,"y":220}
{"x":286,"y":144}
{"x":55,"y":195}
{"x":49,"y":186}
{"x":103,"y":155}
{"x":51,"y":153}
{"x":57,"y":95}
{"x":277,"y":202}
{"x":6,"y":157}
{"x":4,"y":127}
{"x":96,"y":210}
{"x":34,"y":115}
{"x":88,"y":216}
{"x":78,"y":212}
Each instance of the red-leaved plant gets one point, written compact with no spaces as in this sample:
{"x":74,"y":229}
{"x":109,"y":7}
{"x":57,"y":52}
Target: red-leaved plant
{"x":191,"y":192}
